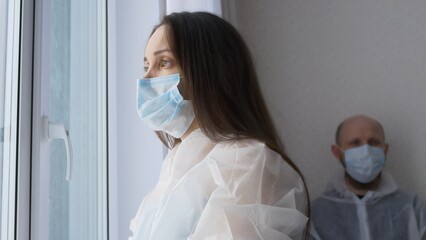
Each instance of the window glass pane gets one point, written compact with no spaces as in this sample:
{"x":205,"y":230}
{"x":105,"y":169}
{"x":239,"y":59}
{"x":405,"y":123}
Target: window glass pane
{"x":59,"y":113}
{"x":3,"y":36}
{"x":9,"y":50}
{"x":77,"y":208}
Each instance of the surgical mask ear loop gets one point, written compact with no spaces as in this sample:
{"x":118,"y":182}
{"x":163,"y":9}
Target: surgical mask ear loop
{"x":180,"y":90}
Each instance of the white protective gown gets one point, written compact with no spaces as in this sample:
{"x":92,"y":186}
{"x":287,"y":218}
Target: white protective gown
{"x":232,"y":190}
{"x":386,"y":213}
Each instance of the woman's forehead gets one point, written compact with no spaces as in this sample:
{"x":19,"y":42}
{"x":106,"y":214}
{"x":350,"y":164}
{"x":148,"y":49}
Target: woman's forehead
{"x":157,"y":42}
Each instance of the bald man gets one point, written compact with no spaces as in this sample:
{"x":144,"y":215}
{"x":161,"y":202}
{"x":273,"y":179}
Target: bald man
{"x":365,"y":203}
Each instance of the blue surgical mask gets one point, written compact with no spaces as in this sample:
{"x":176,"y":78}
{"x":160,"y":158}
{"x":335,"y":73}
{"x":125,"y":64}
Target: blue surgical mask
{"x":162,"y":107}
{"x":364,"y":163}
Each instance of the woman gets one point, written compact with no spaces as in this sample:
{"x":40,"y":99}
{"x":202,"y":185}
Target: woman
{"x":226,"y":176}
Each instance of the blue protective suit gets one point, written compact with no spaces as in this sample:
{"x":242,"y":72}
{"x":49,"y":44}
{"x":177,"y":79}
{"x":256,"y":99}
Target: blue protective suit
{"x":387,"y":213}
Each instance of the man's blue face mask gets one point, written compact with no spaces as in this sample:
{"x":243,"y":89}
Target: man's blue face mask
{"x":364,"y":163}
{"x":162,"y":107}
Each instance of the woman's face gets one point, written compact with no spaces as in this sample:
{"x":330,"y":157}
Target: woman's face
{"x":159,"y":60}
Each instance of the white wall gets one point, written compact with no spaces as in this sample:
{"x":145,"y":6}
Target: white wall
{"x":135,"y":152}
{"x":322,"y":61}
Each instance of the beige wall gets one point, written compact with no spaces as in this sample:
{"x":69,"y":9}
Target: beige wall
{"x":321,"y":61}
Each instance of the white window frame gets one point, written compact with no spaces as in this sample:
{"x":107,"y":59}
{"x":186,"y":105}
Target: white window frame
{"x":18,"y":153}
{"x":15,"y":157}
{"x":41,"y":78}
{"x":25,"y":121}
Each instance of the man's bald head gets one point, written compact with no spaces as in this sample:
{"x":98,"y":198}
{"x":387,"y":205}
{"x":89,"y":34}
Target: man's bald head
{"x":357,"y":119}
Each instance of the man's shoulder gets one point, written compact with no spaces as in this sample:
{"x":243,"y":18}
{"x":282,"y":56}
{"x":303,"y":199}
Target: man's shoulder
{"x":404,"y":194}
{"x":403,"y":197}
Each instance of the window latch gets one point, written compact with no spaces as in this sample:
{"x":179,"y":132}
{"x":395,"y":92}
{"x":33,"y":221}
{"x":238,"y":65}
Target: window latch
{"x":58,"y":131}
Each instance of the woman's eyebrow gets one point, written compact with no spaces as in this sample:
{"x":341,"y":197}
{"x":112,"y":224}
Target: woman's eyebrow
{"x":161,"y":51}
{"x":157,"y":53}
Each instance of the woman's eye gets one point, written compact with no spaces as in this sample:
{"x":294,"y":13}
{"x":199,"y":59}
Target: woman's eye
{"x":165,"y":63}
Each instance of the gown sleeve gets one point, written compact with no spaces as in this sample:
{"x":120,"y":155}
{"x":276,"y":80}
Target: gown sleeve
{"x":257,"y":195}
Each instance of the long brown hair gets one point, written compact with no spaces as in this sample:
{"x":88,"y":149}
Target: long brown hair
{"x":221,"y":82}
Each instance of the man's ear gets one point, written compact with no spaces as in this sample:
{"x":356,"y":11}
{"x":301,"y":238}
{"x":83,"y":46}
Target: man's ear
{"x":335,"y":149}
